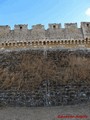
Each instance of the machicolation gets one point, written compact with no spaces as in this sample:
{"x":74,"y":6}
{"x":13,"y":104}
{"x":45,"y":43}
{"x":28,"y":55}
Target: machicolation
{"x":70,"y":36}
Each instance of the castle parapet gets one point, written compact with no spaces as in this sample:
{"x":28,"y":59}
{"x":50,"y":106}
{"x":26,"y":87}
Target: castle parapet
{"x":21,"y":27}
{"x":54,"y":26}
{"x":38,"y":26}
{"x":4,"y":29}
{"x":70,"y":25}
{"x":38,"y":31}
{"x":54,"y":32}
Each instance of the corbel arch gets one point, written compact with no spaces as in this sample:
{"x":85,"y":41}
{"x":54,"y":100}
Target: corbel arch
{"x":44,"y":42}
{"x":48,"y":42}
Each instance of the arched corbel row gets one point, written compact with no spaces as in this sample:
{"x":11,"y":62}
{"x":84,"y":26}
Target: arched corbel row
{"x":52,"y":42}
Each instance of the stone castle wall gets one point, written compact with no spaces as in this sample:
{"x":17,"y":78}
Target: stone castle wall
{"x":38,"y":35}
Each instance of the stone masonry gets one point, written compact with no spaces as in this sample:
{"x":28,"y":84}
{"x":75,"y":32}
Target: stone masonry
{"x":55,"y":35}
{"x":38,"y":77}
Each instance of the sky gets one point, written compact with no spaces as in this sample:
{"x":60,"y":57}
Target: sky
{"x":34,"y":12}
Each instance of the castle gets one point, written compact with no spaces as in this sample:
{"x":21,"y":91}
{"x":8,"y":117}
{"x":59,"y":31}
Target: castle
{"x":39,"y":76}
{"x":70,"y":36}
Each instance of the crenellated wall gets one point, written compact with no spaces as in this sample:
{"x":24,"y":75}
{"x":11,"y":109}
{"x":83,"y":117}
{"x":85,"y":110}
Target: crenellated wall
{"x":69,"y":36}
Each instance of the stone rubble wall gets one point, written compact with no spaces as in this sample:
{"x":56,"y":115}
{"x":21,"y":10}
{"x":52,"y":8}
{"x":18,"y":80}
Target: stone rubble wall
{"x":55,"y":95}
{"x":44,"y":77}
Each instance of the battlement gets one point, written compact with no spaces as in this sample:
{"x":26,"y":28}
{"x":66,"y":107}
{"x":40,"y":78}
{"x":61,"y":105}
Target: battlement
{"x":38,"y":26}
{"x":50,"y":26}
{"x":71,"y":25}
{"x":85,"y":24}
{"x":53,"y":35}
{"x":4,"y":29}
{"x":54,"y":26}
{"x":21,"y":27}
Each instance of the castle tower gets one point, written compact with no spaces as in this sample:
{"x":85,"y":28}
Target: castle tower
{"x":86,"y":29}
